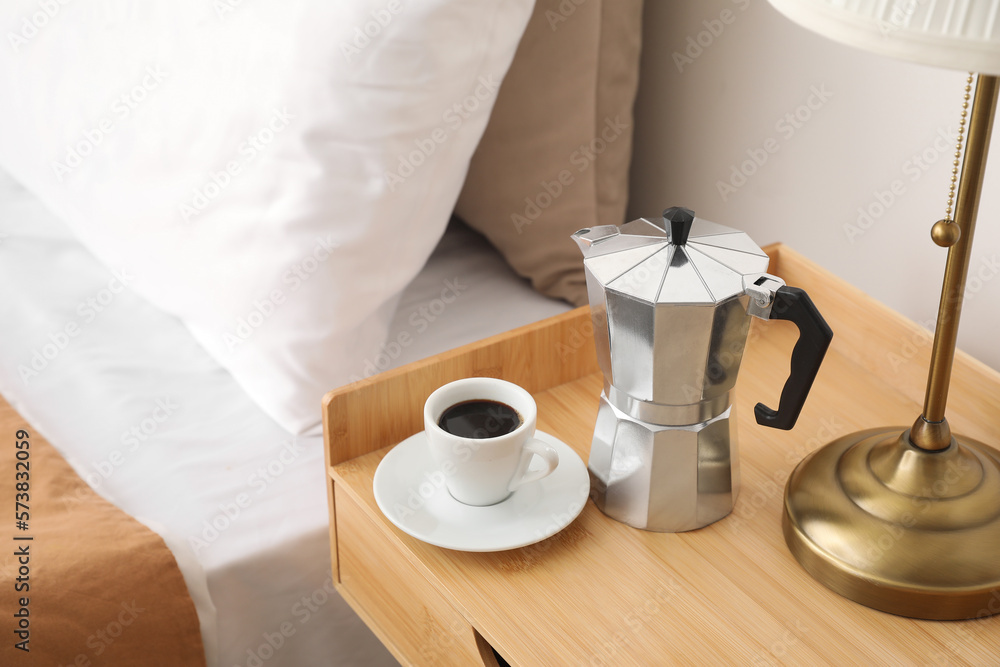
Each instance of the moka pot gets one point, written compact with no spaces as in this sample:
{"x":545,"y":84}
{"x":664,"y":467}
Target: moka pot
{"x":671,"y":302}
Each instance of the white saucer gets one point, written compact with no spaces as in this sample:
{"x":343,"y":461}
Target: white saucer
{"x":410,"y":491}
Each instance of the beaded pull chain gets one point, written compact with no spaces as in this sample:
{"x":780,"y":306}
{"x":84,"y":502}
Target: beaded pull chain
{"x":945,"y":232}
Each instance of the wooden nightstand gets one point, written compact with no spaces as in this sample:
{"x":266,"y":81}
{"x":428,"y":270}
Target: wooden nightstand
{"x":602,"y":593}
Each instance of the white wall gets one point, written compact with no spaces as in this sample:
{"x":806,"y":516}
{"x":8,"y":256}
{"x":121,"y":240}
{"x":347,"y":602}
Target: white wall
{"x":694,"y":122}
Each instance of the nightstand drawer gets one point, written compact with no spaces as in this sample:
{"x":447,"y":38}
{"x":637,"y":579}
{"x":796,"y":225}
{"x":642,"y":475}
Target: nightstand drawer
{"x":374,"y":573}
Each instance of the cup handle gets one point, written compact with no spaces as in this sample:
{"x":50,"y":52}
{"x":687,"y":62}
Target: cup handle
{"x":534,"y":447}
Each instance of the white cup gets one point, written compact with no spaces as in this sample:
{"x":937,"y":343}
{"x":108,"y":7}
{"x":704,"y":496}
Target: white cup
{"x":485,"y":471}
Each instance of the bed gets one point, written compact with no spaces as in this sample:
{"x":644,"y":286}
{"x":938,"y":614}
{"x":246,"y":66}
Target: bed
{"x":148,"y":411}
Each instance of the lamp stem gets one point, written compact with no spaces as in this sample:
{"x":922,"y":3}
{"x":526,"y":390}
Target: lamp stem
{"x":931,"y":430}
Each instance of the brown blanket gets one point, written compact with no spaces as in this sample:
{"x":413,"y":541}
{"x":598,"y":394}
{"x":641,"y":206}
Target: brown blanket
{"x":81,"y":582}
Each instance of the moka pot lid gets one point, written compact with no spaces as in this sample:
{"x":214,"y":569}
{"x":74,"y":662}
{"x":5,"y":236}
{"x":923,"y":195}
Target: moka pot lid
{"x":679,"y":259}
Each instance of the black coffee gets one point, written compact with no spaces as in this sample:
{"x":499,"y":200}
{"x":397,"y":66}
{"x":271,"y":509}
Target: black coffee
{"x":479,"y":419}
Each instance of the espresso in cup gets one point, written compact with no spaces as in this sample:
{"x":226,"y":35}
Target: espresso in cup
{"x":481,"y":434}
{"x":480,"y":419}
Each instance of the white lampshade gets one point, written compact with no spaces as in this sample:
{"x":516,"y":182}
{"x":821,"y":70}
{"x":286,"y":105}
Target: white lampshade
{"x":957,"y":34}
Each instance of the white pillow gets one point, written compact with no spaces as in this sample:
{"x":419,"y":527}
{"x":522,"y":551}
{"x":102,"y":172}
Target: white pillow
{"x":273,"y":172}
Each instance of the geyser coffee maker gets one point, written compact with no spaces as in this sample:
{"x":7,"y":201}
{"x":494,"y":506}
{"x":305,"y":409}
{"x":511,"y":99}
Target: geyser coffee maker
{"x":671,"y":303}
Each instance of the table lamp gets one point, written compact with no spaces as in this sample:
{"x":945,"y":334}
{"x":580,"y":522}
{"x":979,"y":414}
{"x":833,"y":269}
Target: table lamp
{"x":908,"y":521}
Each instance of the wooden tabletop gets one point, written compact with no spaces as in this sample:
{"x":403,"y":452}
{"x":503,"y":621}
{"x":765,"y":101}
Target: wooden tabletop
{"x":602,"y":593}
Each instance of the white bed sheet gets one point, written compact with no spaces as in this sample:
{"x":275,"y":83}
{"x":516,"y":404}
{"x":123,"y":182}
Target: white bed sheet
{"x":157,"y":427}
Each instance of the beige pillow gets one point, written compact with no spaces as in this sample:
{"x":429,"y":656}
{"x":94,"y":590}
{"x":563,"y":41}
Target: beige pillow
{"x":555,"y":154}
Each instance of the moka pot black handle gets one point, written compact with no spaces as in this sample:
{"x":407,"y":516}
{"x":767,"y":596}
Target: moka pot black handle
{"x":794,"y":305}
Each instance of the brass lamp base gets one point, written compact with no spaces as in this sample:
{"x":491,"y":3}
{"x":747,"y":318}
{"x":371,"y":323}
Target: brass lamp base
{"x":898,"y":528}
{"x":912,"y":530}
